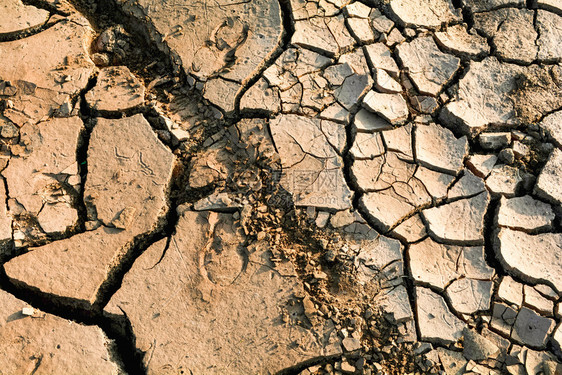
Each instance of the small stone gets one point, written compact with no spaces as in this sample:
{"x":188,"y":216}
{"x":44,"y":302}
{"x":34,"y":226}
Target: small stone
{"x":381,"y":23}
{"x":425,"y":104}
{"x":395,"y":37}
{"x":520,"y":150}
{"x":506,"y":156}
{"x":494,"y":141}
{"x":481,"y":165}
{"x":8,"y":129}
{"x":322,"y":219}
{"x":347,"y":368}
{"x":351,"y":344}
{"x":27,"y":311}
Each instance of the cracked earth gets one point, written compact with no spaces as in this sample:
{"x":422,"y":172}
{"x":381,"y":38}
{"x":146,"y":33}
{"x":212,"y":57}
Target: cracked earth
{"x":281,"y":187}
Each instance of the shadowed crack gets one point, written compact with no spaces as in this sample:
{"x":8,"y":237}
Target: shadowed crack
{"x":30,"y":31}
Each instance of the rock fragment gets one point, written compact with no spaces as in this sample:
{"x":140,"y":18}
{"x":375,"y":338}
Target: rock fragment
{"x":392,"y":107}
{"x":380,"y":57}
{"x":49,"y":344}
{"x":481,"y":165}
{"x":458,"y":40}
{"x":494,"y":141}
{"x":437,"y":324}
{"x":525,"y":213}
{"x":505,"y":180}
{"x":549,"y":183}
{"x":428,"y":67}
{"x":117,"y":89}
{"x":532,"y":329}
{"x":438,"y":148}
{"x":366,"y":121}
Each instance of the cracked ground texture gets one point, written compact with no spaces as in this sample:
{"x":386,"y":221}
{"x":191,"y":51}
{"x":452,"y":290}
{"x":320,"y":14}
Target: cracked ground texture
{"x":281,"y":187}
